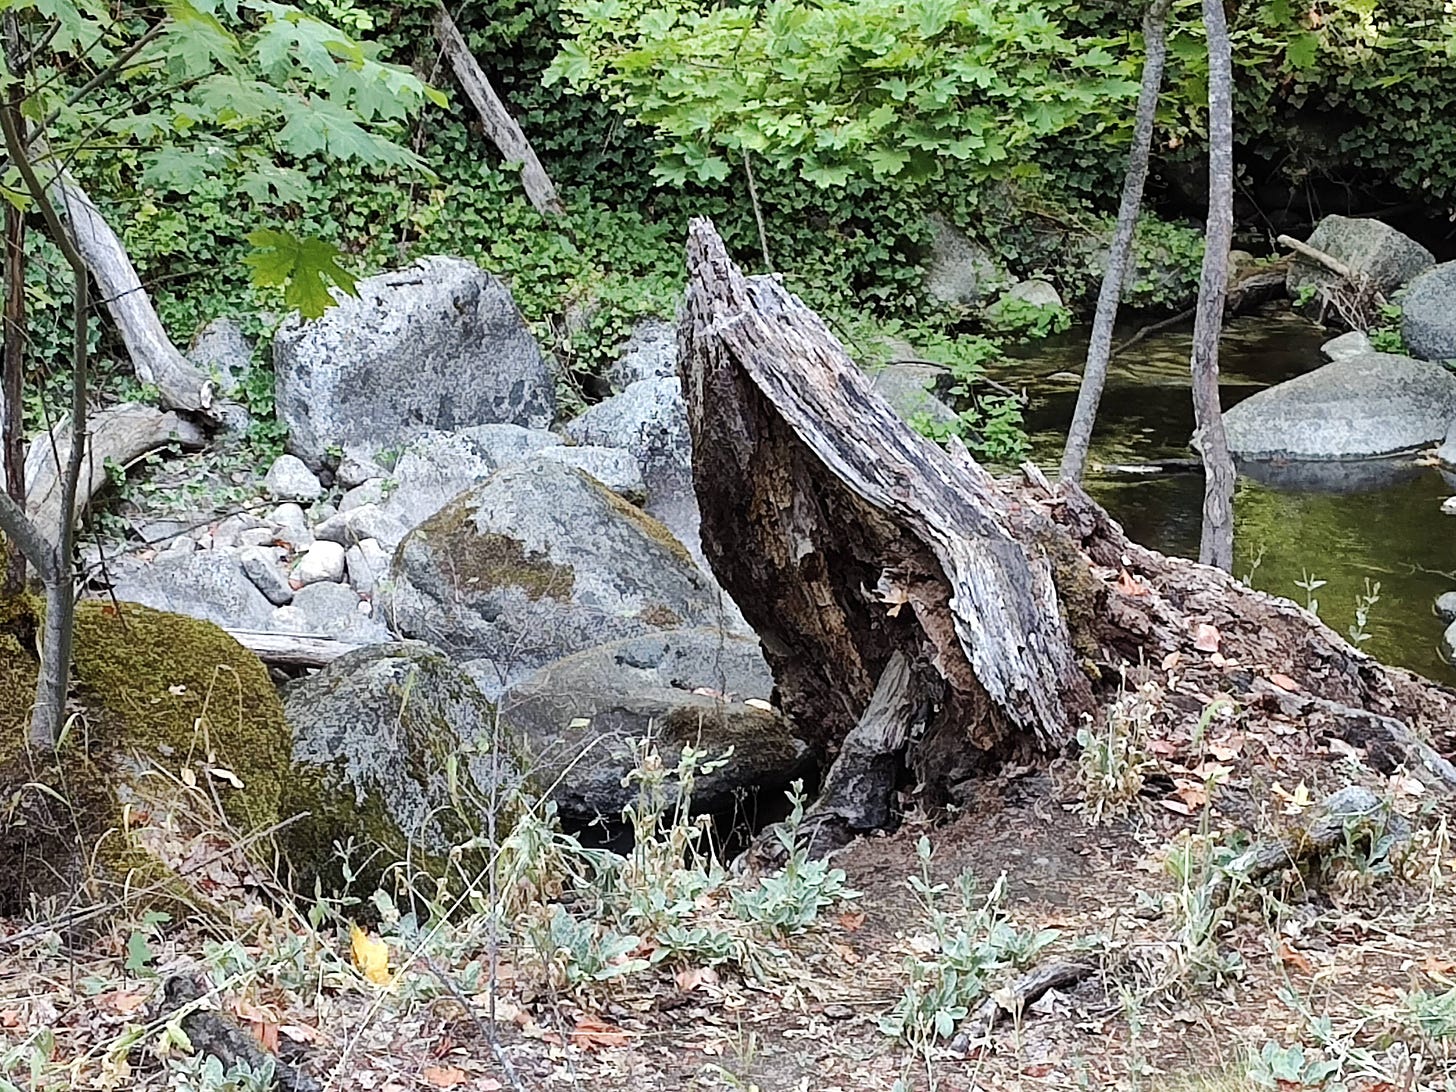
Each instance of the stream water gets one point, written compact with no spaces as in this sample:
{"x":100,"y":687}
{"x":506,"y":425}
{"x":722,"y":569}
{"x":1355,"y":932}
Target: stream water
{"x":1344,"y":524}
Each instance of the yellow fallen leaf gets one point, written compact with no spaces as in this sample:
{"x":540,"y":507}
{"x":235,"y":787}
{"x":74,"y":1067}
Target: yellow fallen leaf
{"x":371,"y":955}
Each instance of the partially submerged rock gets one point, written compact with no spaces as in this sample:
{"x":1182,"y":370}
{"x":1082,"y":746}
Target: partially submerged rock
{"x":438,"y":345}
{"x":581,"y":719}
{"x":537,"y":562}
{"x":392,"y":750}
{"x":1358,"y":407}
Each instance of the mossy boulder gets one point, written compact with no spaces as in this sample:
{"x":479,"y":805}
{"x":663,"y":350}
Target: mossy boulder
{"x":392,"y":748}
{"x":580,"y":717}
{"x":537,"y":562}
{"x":172,"y":719}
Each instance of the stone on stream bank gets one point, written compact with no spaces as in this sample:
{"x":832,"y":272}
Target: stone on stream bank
{"x":1373,"y":251}
{"x":1358,"y":407}
{"x":1428,"y":314}
{"x":391,"y":749}
{"x":537,"y":562}
{"x":437,"y":345}
{"x":581,"y":718}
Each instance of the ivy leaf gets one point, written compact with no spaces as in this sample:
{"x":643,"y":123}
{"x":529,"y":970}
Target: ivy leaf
{"x":1302,"y":50}
{"x":306,"y":268}
{"x":138,"y":953}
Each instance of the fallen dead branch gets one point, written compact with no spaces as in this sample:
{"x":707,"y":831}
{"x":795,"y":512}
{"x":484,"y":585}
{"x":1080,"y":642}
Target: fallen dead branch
{"x":218,"y":1034}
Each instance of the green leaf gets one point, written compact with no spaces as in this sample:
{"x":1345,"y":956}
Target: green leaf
{"x":138,"y":953}
{"x":306,"y":268}
{"x":1302,"y":51}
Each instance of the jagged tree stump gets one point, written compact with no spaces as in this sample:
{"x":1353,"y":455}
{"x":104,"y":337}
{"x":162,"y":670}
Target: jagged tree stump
{"x":850,"y":541}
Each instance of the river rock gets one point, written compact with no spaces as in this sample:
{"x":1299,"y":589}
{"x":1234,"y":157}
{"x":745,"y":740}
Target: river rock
{"x":1351,"y":343}
{"x":373,"y":491}
{"x":1448,"y":645}
{"x":288,"y":479}
{"x":1035,"y":293}
{"x":367,"y":563}
{"x":327,"y":609}
{"x":908,"y":388}
{"x":223,"y":352}
{"x":207,"y":584}
{"x":537,"y":562}
{"x":650,"y":420}
{"x":506,"y":445}
{"x":1373,"y":250}
{"x":650,"y":353}
{"x":438,"y":345}
{"x":1428,"y":314}
{"x":390,"y":746}
{"x":1357,"y":408}
{"x":1446,"y":606}
{"x":322,"y":561}
{"x":580,"y":717}
{"x":261,"y":564}
{"x":959,"y":271}
{"x":356,"y":468}
{"x":618,"y":470}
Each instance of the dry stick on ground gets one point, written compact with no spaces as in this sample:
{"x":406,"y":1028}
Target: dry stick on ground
{"x":1347,"y":814}
{"x":118,"y":435}
{"x":219,"y":1035}
{"x":292,"y":649}
{"x":500,"y":127}
{"x":1216,"y":544}
{"x":1099,"y":350}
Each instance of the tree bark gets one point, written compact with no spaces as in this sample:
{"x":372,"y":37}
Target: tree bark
{"x":12,"y":388}
{"x":906,"y":599}
{"x":499,"y":125}
{"x":1216,"y":544}
{"x":1099,"y":349}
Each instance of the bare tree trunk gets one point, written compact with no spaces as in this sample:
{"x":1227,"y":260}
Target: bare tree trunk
{"x":919,"y":614}
{"x":157,"y":362}
{"x":12,"y":388}
{"x":499,"y":125}
{"x":1099,"y":350}
{"x":1217,"y":542}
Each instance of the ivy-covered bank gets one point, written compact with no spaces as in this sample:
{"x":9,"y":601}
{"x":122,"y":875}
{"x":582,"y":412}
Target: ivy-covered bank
{"x":1017,"y":115}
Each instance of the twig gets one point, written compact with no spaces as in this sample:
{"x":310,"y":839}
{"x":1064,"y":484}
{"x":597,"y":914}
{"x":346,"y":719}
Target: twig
{"x":487,"y":1031}
{"x":757,"y":213}
{"x":1154,"y":328}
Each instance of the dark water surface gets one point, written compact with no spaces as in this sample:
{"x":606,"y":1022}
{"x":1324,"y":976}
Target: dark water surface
{"x":1340,"y":523}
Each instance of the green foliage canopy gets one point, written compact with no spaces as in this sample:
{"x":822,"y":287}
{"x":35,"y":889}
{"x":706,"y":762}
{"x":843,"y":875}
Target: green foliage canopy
{"x":880,"y":89}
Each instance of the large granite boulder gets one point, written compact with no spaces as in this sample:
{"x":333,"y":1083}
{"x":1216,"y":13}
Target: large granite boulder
{"x":909,"y":388}
{"x":1359,"y":407}
{"x":392,"y":749}
{"x":650,"y":420}
{"x":650,"y":353}
{"x":207,"y":584}
{"x":1371,"y":249}
{"x":1428,"y":314}
{"x":958,"y":270}
{"x":438,"y":345}
{"x":580,"y":720}
{"x":536,"y":562}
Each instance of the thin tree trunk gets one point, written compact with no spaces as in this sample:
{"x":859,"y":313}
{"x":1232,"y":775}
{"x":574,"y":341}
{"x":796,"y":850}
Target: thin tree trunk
{"x":1216,"y":546}
{"x":1099,"y":350}
{"x":12,"y":426}
{"x":499,"y":125}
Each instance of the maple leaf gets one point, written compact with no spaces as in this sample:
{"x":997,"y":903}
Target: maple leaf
{"x":371,"y":955}
{"x":305,"y":268}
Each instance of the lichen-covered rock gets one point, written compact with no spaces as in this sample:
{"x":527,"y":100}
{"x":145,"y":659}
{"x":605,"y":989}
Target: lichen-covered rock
{"x":958,"y":270}
{"x":1372,"y":250}
{"x":616,"y":469}
{"x":392,"y":748}
{"x":580,"y":718}
{"x":330,"y":610}
{"x":537,"y":562}
{"x":288,"y":479}
{"x":650,"y":420}
{"x":438,"y":345}
{"x":165,"y":699}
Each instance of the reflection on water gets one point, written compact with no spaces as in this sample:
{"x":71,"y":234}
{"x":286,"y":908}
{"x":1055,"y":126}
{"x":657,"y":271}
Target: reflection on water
{"x":1344,"y":524}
